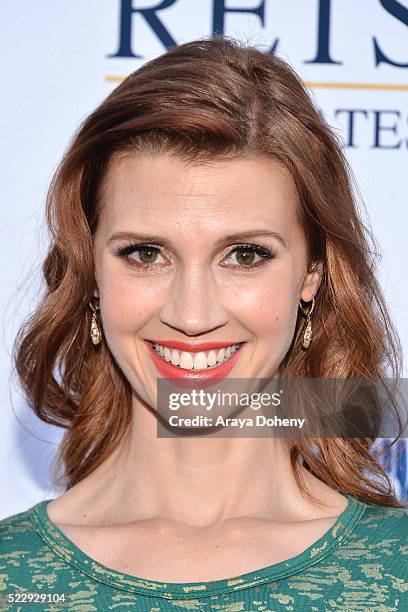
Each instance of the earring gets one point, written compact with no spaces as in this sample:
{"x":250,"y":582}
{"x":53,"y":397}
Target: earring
{"x":307,"y":334}
{"x":96,"y":333}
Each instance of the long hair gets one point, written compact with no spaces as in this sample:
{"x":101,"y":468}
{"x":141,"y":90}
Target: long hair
{"x":207,"y":99}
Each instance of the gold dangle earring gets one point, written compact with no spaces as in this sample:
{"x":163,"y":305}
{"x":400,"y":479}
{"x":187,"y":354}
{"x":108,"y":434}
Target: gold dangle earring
{"x":307,"y":334}
{"x":96,"y":332}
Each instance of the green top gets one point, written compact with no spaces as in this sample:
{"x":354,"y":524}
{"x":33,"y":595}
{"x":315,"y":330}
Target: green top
{"x":360,"y":564}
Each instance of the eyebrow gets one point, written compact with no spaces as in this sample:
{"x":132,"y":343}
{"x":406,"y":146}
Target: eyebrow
{"x":167,"y":243}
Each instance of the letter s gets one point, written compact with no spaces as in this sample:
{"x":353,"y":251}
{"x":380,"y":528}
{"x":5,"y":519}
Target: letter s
{"x":398,"y":11}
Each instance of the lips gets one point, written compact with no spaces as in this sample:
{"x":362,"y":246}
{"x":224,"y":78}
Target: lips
{"x":181,"y":375}
{"x":193,"y":348}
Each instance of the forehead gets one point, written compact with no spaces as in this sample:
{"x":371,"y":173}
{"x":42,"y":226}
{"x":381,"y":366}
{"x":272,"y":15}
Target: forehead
{"x":164,"y":190}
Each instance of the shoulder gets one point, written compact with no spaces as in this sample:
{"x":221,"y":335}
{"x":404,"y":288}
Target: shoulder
{"x":17,"y":531}
{"x":385,"y":522}
{"x":32,"y":561}
{"x":23,"y":554}
{"x":378,"y":542}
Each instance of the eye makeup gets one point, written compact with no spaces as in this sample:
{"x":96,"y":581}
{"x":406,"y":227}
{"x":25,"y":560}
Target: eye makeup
{"x":247,"y":249}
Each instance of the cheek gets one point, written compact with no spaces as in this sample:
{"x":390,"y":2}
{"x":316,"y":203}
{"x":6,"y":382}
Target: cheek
{"x":127,"y":303}
{"x":269,"y":305}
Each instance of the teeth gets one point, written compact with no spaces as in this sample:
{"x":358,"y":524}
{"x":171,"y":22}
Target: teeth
{"x":197,"y":361}
{"x":175,"y":357}
{"x":212,"y":358}
{"x":200,"y":361}
{"x":186,"y":361}
{"x":221,"y":355}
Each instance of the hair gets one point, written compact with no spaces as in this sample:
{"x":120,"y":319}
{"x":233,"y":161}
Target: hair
{"x":208,"y":99}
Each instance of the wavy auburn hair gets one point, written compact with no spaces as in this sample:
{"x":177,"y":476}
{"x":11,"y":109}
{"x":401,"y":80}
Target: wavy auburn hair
{"x":207,"y":99}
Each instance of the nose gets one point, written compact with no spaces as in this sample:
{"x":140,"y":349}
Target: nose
{"x":193,"y":304}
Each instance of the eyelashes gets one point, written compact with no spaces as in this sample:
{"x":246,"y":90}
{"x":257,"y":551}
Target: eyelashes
{"x":147,"y":249}
{"x":149,"y":252}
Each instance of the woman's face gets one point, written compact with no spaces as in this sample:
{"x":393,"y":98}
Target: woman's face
{"x":223,"y":261}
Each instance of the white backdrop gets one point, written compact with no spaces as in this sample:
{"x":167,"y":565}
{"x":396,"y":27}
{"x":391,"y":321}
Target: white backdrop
{"x":61,"y":58}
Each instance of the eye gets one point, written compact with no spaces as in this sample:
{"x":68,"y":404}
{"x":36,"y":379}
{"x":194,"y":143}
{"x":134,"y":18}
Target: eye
{"x":144,"y":255}
{"x":247,"y":256}
{"x":250,"y":256}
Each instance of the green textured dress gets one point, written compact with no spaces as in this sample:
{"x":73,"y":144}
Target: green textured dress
{"x":360,"y":564}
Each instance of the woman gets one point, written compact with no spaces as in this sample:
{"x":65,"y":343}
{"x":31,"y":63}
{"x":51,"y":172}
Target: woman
{"x":203,"y":225}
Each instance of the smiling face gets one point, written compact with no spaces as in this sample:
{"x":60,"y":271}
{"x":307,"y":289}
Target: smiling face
{"x":223,"y":261}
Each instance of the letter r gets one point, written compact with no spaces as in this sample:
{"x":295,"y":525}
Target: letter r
{"x":127,"y":10}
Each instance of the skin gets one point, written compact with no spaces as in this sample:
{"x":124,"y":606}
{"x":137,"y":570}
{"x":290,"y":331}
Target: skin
{"x":189,"y":491}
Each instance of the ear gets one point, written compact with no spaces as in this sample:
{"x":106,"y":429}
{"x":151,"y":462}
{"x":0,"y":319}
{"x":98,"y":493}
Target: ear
{"x":312,"y":282}
{"x":96,"y":292}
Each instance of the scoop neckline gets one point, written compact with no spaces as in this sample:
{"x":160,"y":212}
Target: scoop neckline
{"x":69,"y":551}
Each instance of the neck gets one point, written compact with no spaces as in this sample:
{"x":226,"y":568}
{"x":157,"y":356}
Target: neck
{"x":199,"y":482}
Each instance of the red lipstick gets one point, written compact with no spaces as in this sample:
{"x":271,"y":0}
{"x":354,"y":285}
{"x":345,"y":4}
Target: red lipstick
{"x":193,"y":347}
{"x":185,"y":378}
